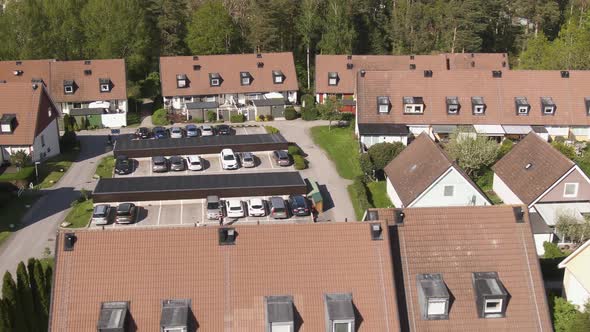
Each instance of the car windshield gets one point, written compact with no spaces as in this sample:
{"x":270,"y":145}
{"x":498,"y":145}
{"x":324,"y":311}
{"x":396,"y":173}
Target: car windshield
{"x":212,"y":205}
{"x":195,"y":162}
{"x":99,"y":214}
{"x":206,"y":129}
{"x":257,"y":207}
{"x":283,"y":156}
{"x":191,"y":129}
{"x":175,"y":130}
{"x":159,"y":162}
{"x":228,"y":157}
{"x":248,"y":158}
{"x":177,"y":161}
{"x":235,"y":208}
{"x":124,"y":210}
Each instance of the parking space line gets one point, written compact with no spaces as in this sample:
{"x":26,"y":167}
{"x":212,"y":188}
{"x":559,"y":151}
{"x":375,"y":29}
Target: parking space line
{"x":181,"y":207}
{"x":270,"y":160}
{"x":246,"y":130}
{"x":160,"y":212}
{"x":203,"y":211}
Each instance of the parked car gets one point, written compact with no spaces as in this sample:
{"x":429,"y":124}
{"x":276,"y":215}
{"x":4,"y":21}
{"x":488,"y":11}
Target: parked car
{"x":176,"y":132}
{"x":223,"y":130}
{"x":126,"y":213}
{"x":142,"y":132}
{"x":159,"y":164}
{"x":176,"y":163}
{"x":213,"y":207}
{"x":101,"y":214}
{"x":123,"y":165}
{"x":207,"y":130}
{"x":234,"y":208}
{"x":278,"y":208}
{"x":160,"y":132}
{"x":248,"y":160}
{"x":256,"y":207}
{"x":191,"y":130}
{"x":228,"y":159}
{"x":195,"y":163}
{"x":281,"y":158}
{"x":299,"y":205}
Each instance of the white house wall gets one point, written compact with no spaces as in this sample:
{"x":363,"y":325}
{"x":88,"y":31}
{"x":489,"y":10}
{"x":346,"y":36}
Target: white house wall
{"x":368,"y":141}
{"x":574,"y":291}
{"x":393,"y":196}
{"x":505,"y":194}
{"x":114,"y":120}
{"x":51,"y":138}
{"x":464,"y":194}
{"x":539,"y":240}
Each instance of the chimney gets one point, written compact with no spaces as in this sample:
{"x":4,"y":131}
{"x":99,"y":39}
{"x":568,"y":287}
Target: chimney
{"x":363,"y":72}
{"x":565,"y":74}
{"x":428,"y":73}
{"x":195,"y":57}
{"x":227,"y":236}
{"x":260,"y":64}
{"x":376,"y":232}
{"x":87,"y":62}
{"x":259,"y":56}
{"x":448,"y":64}
{"x":399,"y":217}
{"x":412,"y":66}
{"x":349,"y":57}
{"x":496,"y":73}
{"x":518,"y":214}
{"x":349,"y":66}
{"x":69,"y":241}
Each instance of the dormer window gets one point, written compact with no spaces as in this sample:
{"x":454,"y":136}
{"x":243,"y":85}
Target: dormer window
{"x":478,"y":106}
{"x":339,"y":313}
{"x":433,"y":296}
{"x":279,"y":313}
{"x":245,"y":78}
{"x":175,"y":315}
{"x":413,"y":105}
{"x":522,"y":106}
{"x":453,"y":105}
{"x":69,"y":87}
{"x":278,"y":77}
{"x":113,"y":316}
{"x":215,"y":79}
{"x":7,"y":123}
{"x":491,"y":298}
{"x":587,"y":104}
{"x":383,"y":105}
{"x":332,"y":78}
{"x":548,"y":106}
{"x":105,"y":84}
{"x":181,"y":81}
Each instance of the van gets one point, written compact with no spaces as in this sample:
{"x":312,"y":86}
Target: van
{"x":278,"y":208}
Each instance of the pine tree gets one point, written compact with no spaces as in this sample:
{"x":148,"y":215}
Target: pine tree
{"x":48,"y":282}
{"x":172,"y":26}
{"x":36,"y":278}
{"x":9,"y":298}
{"x":25,"y":307}
{"x":4,"y":317}
{"x":339,"y":35}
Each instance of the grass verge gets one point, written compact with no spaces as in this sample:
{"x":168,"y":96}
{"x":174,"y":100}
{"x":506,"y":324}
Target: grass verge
{"x":53,"y":169}
{"x":133,"y":119}
{"x":341,"y":147}
{"x":105,"y":167}
{"x":12,"y":211}
{"x":378,"y":194}
{"x":358,"y":210}
{"x":79,"y":215}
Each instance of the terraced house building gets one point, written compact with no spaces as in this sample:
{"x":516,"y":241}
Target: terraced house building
{"x":93,"y":89}
{"x":248,"y":84}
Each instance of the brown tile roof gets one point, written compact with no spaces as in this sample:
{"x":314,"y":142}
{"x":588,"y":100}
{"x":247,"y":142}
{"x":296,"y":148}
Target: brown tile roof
{"x":226,"y":284}
{"x":547,"y":166}
{"x":229,"y":67}
{"x":459,"y":241}
{"x":498,"y":93}
{"x":54,"y":73}
{"x":416,"y":168}
{"x":30,"y":106}
{"x":325,"y":64}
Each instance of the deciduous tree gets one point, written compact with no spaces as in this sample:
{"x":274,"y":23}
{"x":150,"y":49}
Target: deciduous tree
{"x":211,"y":29}
{"x":473,"y":153}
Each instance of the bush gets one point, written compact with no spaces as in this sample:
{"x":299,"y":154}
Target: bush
{"x":269,"y":118}
{"x":290,"y":113}
{"x":271,"y":130}
{"x":366,"y":164}
{"x":552,"y":250}
{"x":237,"y":118}
{"x":68,"y":141}
{"x":383,"y":153}
{"x":505,"y":147}
{"x":309,"y":114}
{"x":211,"y":116}
{"x":295,"y":150}
{"x":566,"y":149}
{"x":307,"y":101}
{"x":20,"y":158}
{"x":160,"y":117}
{"x":360,"y":191}
{"x":345,"y":116}
{"x":260,"y":118}
{"x":299,"y":162}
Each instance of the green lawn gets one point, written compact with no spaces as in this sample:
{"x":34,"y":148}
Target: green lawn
{"x":12,"y":210}
{"x":24,"y":174}
{"x":378,"y":194}
{"x":342,"y":148}
{"x":358,"y":211}
{"x":52,"y":170}
{"x":485,"y":183}
{"x":105,"y":167}
{"x":80,"y":214}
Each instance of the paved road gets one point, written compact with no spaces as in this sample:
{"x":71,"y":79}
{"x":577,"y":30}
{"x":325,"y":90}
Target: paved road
{"x":45,"y":216}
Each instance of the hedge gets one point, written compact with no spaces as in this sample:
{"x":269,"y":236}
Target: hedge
{"x":309,"y":114}
{"x":211,"y":116}
{"x":160,"y":117}
{"x":299,"y":162}
{"x":237,"y":118}
{"x":295,"y":150}
{"x":360,"y":190}
{"x":290,"y":113}
{"x":271,"y":130}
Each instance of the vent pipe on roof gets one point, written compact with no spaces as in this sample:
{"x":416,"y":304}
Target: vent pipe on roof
{"x":18,"y":63}
{"x":363,"y":72}
{"x":399,"y":217}
{"x":472,"y":64}
{"x":260,"y":64}
{"x":258,"y":55}
{"x":504,"y":64}
{"x":87,"y":62}
{"x":349,"y":57}
{"x":412,"y":66}
{"x":35,"y":86}
{"x":17,"y":72}
{"x":195,"y":57}
{"x":349,"y":66}
{"x":411,"y":57}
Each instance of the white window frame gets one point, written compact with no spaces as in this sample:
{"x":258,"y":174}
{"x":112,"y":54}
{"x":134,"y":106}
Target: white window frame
{"x":6,"y":128}
{"x":437,"y":302}
{"x":414,"y":108}
{"x":452,"y":191}
{"x":278,"y":79}
{"x":245,"y":80}
{"x":181,"y":83}
{"x":548,"y":110}
{"x":69,"y":89}
{"x":576,"y":186}
{"x":523,"y":110}
{"x":342,"y":322}
{"x":496,"y":310}
{"x":215,"y":82}
{"x":453,"y":109}
{"x":105,"y":87}
{"x":174,"y":329}
{"x":333,"y":81}
{"x":383,"y":108}
{"x":479,"y":109}
{"x":280,"y":326}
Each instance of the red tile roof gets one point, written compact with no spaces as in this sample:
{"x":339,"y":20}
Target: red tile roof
{"x":325,"y":64}
{"x":228,"y":67}
{"x":499,"y":96}
{"x":31,"y":108}
{"x":456,"y":242}
{"x":54,"y":73}
{"x":226,"y":284}
{"x":547,"y":165}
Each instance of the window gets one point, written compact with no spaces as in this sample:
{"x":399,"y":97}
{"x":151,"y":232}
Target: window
{"x":181,"y":81}
{"x":105,"y":88}
{"x":278,"y":77}
{"x":570,"y":190}
{"x":280,"y":328}
{"x":478,"y":105}
{"x":449,"y":191}
{"x":245,"y":78}
{"x":215,"y":81}
{"x":175,"y":329}
{"x":342,"y":327}
{"x":332,"y":78}
{"x":548,"y":105}
{"x":523,"y":110}
{"x":548,"y":110}
{"x":522,"y":106}
{"x":478,"y":109}
{"x":414,"y":109}
{"x":437,"y":307}
{"x":77,"y":105}
{"x":453,"y":105}
{"x":188,"y":98}
{"x":413,"y":105}
{"x":383,"y":104}
{"x":493,"y":306}
{"x":68,"y":89}
{"x":42,"y":140}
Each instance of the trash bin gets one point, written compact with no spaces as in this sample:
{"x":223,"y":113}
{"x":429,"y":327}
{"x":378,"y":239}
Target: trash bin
{"x":316,"y":196}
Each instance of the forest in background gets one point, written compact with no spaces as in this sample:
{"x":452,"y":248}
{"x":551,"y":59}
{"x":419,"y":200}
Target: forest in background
{"x":538,"y":34}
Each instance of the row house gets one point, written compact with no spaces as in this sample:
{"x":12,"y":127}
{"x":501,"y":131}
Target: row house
{"x":28,"y":122}
{"x":94,"y":89}
{"x":248,"y":84}
{"x":335,"y":75}
{"x":397,"y":105}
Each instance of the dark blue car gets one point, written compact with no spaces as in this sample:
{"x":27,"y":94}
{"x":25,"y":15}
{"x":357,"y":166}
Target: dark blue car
{"x":160,"y":132}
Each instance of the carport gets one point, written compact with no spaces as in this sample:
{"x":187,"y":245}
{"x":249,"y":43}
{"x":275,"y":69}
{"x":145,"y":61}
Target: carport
{"x":198,"y":110}
{"x":274,"y":107}
{"x":162,"y":188}
{"x":136,"y":148}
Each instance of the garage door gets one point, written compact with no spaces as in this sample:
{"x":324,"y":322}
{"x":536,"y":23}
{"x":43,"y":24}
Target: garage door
{"x":278,"y":111}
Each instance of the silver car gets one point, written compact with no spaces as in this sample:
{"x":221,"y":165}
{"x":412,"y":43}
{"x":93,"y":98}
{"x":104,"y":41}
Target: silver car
{"x":248,"y":160}
{"x":101,"y":214}
{"x":176,"y":163}
{"x":213,"y":207}
{"x":159,"y":164}
{"x":207,"y":130}
{"x":176,"y":132}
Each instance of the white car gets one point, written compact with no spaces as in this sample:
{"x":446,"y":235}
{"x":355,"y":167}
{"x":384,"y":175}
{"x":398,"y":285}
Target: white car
{"x":256,"y":207}
{"x":234,"y":208}
{"x":195,"y":163}
{"x":176,"y":132}
{"x":228,"y":159}
{"x":207,"y":130}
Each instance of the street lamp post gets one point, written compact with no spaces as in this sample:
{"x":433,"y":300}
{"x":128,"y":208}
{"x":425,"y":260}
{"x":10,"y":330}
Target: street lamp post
{"x":37,"y":171}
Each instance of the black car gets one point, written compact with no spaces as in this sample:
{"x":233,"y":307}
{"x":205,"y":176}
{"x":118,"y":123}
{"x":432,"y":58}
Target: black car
{"x":299,"y":205}
{"x":123,"y":165}
{"x":142,"y":133}
{"x":223,"y":130}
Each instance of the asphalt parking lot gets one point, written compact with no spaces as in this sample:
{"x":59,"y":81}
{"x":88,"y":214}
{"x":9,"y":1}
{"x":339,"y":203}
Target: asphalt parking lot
{"x":212,"y":165}
{"x":191,"y":213}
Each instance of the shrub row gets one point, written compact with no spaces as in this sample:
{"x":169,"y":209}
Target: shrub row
{"x":237,"y":118}
{"x":361,"y":192}
{"x":290,"y":113}
{"x":299,"y":162}
{"x":262,"y":118}
{"x":271,"y":130}
{"x":160,"y":117}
